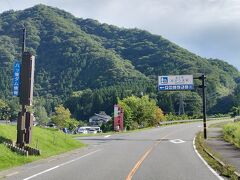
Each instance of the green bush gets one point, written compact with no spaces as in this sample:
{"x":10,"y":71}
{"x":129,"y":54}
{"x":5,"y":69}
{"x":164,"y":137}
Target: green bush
{"x":232,"y":133}
{"x":140,"y":112}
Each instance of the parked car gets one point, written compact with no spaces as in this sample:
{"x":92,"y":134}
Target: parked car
{"x":52,"y":125}
{"x":65,"y":130}
{"x":83,"y":130}
{"x":98,"y":129}
{"x":92,"y":131}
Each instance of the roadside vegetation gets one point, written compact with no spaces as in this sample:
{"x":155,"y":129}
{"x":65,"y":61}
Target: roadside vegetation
{"x":204,"y":151}
{"x":140,"y":112}
{"x":232,"y":133}
{"x":50,"y":141}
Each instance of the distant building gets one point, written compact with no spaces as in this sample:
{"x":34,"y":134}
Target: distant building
{"x":99,"y":119}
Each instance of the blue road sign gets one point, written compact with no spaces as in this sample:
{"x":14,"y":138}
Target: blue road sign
{"x":176,"y":88}
{"x":164,"y":80}
{"x":16,"y":78}
{"x":175,"y":83}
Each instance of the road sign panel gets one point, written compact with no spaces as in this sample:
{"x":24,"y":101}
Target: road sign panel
{"x":175,"y":83}
{"x":16,"y":78}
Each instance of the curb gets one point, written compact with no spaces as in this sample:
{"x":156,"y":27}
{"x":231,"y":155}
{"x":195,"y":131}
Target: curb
{"x":204,"y":161}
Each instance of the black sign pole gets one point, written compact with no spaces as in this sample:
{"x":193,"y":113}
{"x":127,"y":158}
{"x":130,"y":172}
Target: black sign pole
{"x":203,"y":77}
{"x":203,"y":86}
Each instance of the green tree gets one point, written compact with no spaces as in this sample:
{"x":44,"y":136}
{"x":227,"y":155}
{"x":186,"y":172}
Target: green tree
{"x":128,"y":115}
{"x":72,"y":124}
{"x":62,"y":116}
{"x":235,"y":111}
{"x":237,"y":95}
{"x":159,"y":116}
{"x":14,"y":108}
{"x":4,"y":110}
{"x":41,"y":115}
{"x":141,"y":112}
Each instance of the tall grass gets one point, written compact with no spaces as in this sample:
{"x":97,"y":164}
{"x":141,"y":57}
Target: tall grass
{"x":232,"y":133}
{"x":49,"y":141}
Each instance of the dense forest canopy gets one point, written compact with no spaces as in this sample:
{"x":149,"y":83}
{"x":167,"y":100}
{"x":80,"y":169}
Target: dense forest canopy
{"x":86,"y":65}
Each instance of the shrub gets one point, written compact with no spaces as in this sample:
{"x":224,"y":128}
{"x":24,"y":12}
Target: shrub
{"x":232,"y":133}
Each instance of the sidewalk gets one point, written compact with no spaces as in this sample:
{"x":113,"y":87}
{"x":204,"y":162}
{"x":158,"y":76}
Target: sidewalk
{"x":227,"y":152}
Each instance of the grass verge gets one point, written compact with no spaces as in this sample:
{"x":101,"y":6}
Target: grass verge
{"x":219,"y":124}
{"x":205,"y":151}
{"x":49,"y":141}
{"x":231,"y":133}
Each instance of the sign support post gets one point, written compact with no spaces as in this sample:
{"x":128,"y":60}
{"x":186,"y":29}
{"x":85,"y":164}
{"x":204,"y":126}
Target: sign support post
{"x":203,"y":86}
{"x":181,"y":83}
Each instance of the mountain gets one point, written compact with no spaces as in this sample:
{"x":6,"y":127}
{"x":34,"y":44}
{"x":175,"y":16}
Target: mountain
{"x":154,"y":55}
{"x":67,"y":58}
{"x":74,"y":54}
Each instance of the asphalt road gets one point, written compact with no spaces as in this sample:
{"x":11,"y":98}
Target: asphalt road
{"x":165,"y":153}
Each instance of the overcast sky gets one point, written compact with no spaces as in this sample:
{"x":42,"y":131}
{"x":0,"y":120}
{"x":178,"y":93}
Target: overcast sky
{"x":209,"y":28}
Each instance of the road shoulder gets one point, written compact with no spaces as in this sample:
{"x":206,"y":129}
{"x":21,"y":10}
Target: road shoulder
{"x":219,"y":154}
{"x":229,"y":153}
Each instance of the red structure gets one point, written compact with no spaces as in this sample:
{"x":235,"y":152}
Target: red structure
{"x":118,"y":118}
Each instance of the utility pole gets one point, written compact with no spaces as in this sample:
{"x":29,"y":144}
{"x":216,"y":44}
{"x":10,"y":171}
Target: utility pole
{"x":203,"y":86}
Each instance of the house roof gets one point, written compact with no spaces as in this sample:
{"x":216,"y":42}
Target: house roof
{"x":100,"y":117}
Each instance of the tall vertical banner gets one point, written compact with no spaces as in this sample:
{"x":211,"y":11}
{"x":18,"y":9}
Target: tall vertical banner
{"x":16,"y":78}
{"x":118,"y":118}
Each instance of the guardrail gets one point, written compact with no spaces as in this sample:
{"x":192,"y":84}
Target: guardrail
{"x":191,"y":120}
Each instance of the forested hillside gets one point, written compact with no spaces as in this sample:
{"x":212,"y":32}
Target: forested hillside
{"x":87,"y":65}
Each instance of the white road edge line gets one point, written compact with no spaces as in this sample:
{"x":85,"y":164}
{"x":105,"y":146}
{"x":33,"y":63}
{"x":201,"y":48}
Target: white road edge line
{"x":55,"y":167}
{"x":212,"y":170}
{"x":107,"y":136}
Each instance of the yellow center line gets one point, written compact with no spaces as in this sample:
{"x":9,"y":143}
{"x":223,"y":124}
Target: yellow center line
{"x":133,"y":171}
{"x":138,"y":164}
